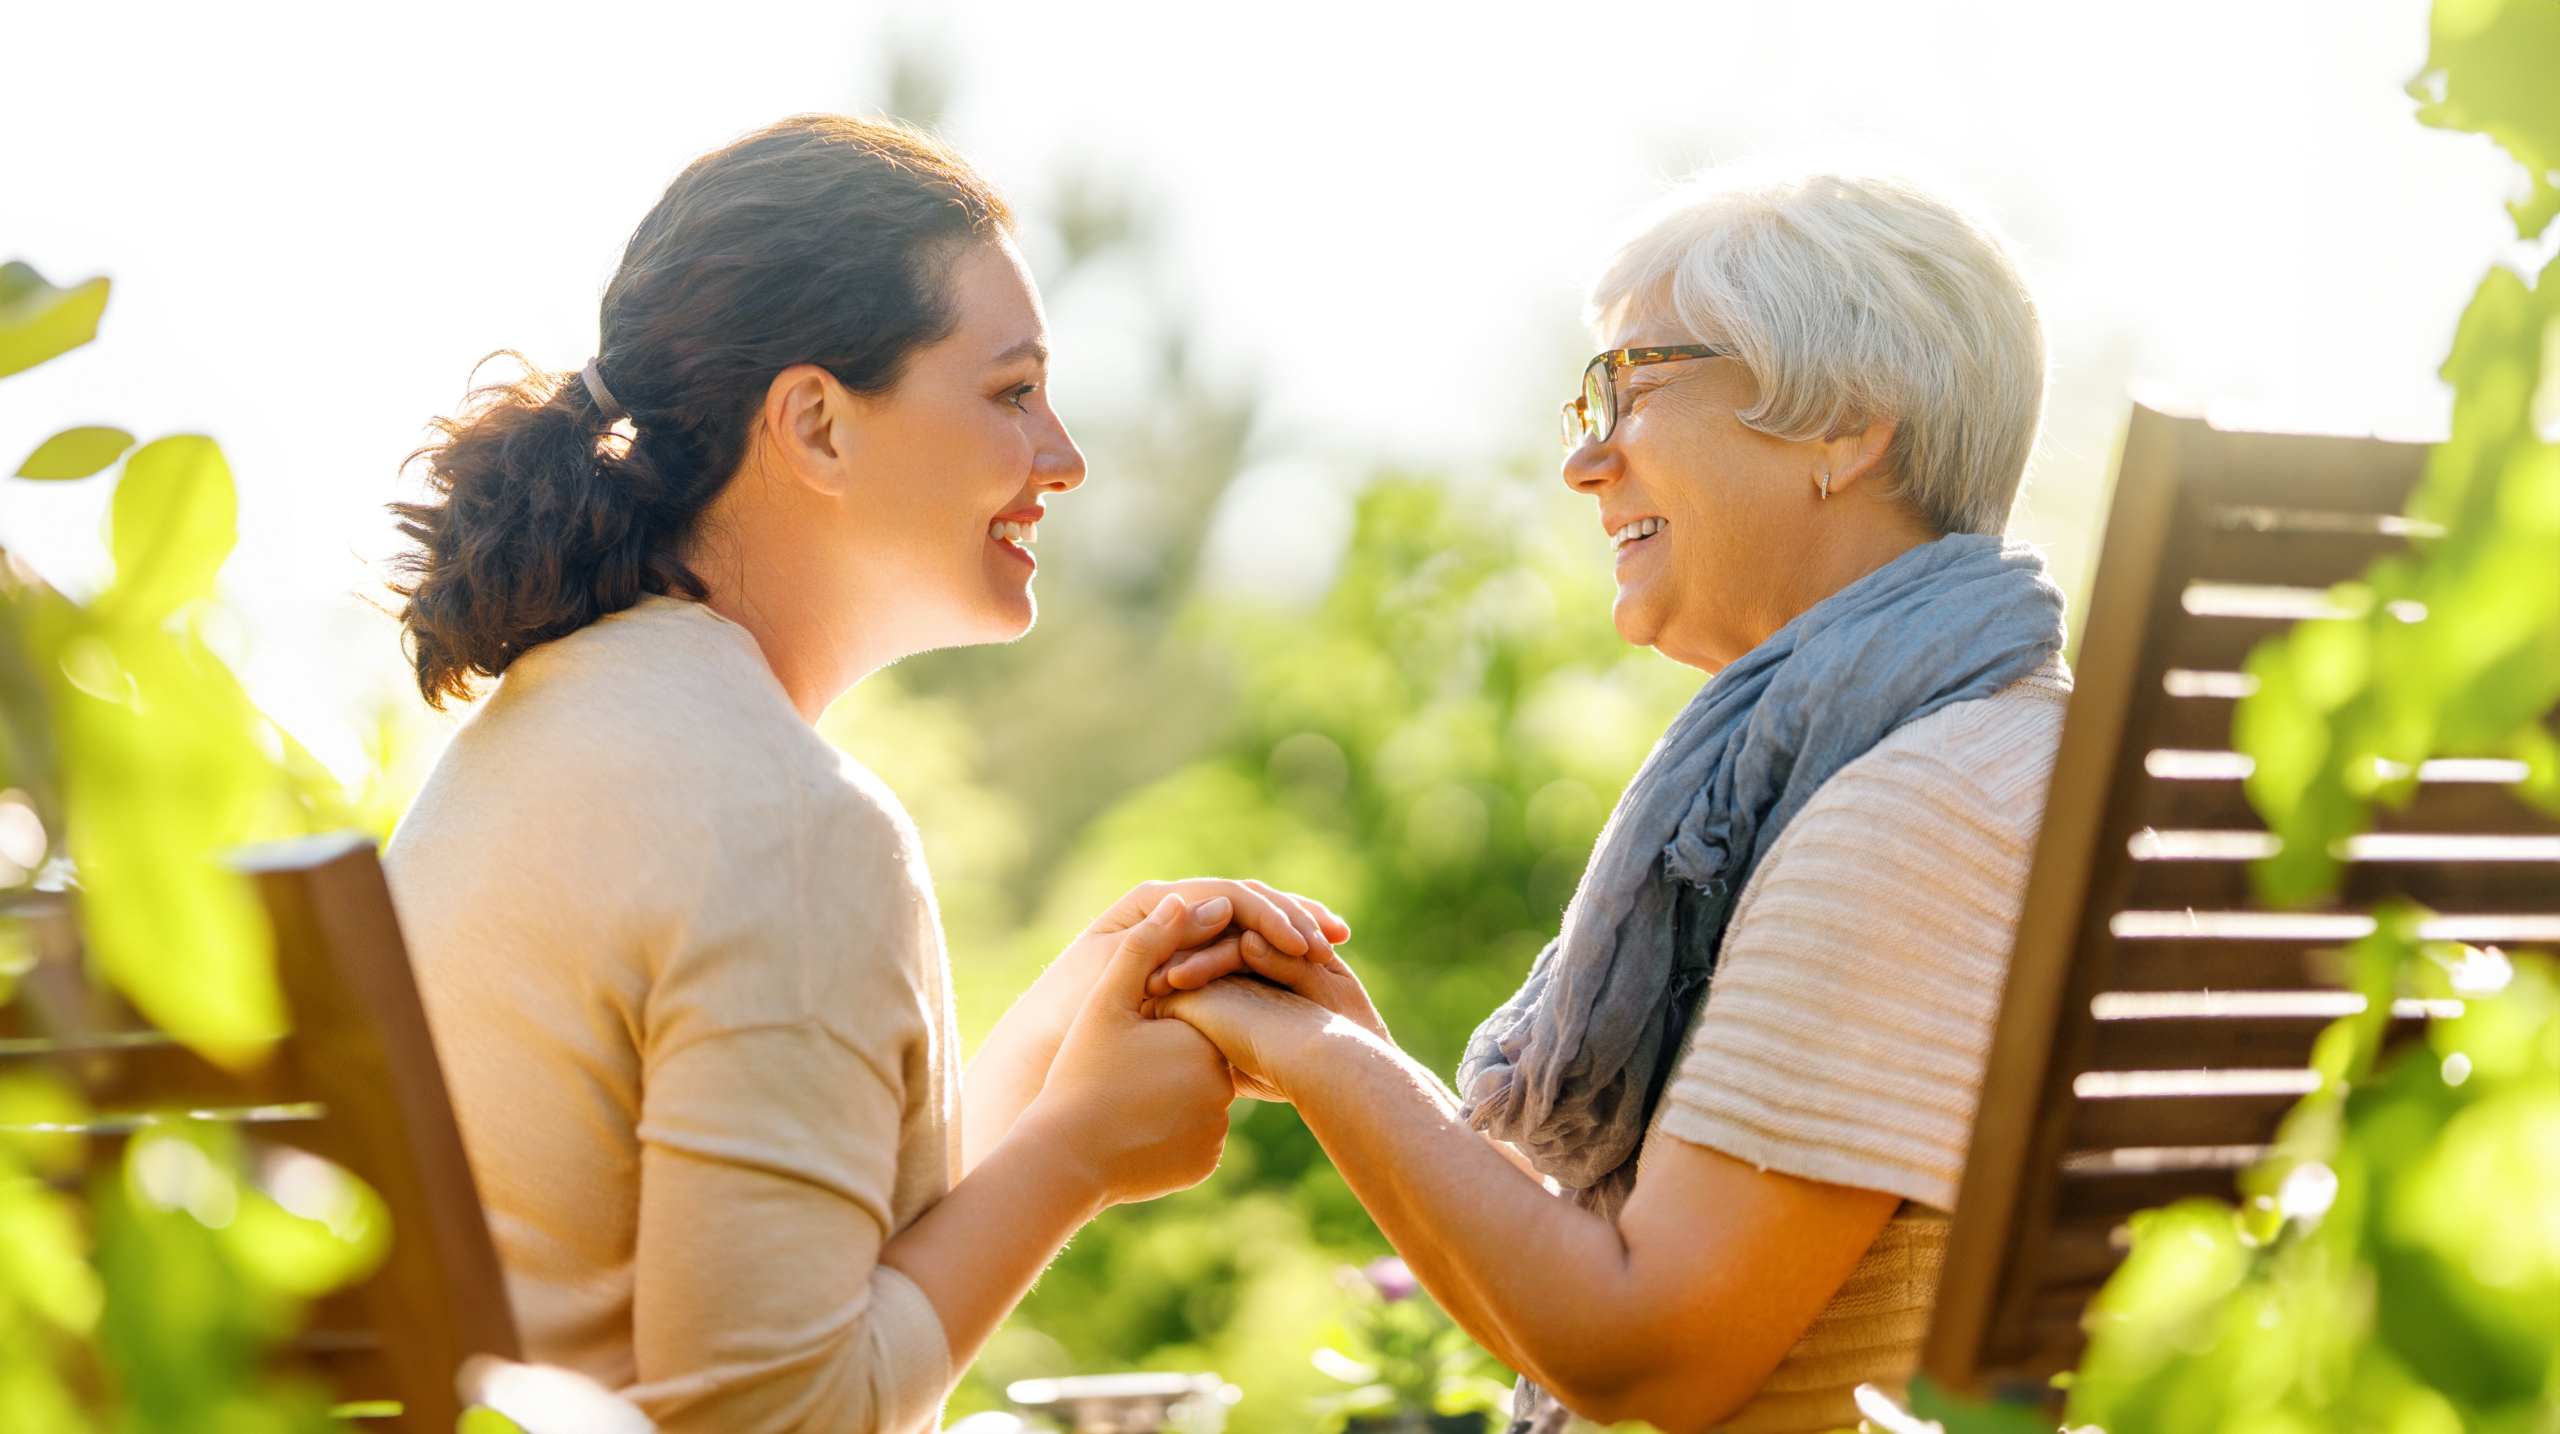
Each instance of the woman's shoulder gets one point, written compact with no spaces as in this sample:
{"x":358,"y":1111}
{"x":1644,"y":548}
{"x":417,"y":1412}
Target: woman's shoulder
{"x":660,"y":670}
{"x":651,"y":741}
{"x":1946,"y":805}
{"x":1996,"y":750}
{"x":642,"y":792}
{"x":1852,"y":1002}
{"x":664,"y":704}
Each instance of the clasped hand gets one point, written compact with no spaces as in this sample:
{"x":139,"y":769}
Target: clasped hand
{"x":1255,"y":1002}
{"x":1141,"y":1101}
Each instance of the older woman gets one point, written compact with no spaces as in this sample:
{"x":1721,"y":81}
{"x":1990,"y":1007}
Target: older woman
{"x":1804,"y":439}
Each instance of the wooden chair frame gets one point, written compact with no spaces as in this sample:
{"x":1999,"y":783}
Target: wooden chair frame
{"x":2158,"y":1021}
{"x":356,"y":1082}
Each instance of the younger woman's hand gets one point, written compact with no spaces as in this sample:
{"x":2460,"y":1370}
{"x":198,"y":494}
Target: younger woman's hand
{"x":1137,"y":1106}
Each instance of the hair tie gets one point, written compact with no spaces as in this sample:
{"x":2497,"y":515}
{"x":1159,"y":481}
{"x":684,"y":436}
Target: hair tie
{"x":605,"y":402}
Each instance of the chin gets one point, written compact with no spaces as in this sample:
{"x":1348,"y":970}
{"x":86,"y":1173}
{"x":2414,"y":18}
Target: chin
{"x":1009,"y":615}
{"x":1003,"y":608}
{"x":1634,"y":619}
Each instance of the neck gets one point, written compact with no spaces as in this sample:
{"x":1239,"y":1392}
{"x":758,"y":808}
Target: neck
{"x":1852,"y":543}
{"x":814,"y":664}
{"x":765,"y":567}
{"x":1876,"y":532}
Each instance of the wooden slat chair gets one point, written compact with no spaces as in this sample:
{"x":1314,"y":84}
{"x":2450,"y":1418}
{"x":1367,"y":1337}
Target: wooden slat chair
{"x":356,"y":1083}
{"x":2158,"y":1021}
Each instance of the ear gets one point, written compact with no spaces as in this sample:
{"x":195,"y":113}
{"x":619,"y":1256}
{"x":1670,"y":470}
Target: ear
{"x":1853,"y":458}
{"x":808,"y":427}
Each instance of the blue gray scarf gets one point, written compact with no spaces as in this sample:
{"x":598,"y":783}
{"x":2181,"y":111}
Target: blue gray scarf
{"x":1570,"y":1067}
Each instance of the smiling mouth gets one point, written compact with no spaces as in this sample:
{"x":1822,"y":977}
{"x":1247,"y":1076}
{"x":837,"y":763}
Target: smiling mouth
{"x":1014,"y":538}
{"x":1634,"y":533}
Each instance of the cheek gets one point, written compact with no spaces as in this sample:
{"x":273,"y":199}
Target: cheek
{"x":999,"y":459}
{"x":966,"y":478}
{"x":1710,"y":492}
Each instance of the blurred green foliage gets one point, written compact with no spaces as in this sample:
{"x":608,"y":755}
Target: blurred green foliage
{"x":75,"y":453}
{"x":2396,"y":1265}
{"x":39,"y":321}
{"x":1402,"y":1357}
{"x":2455,"y":648}
{"x":149,"y":1297}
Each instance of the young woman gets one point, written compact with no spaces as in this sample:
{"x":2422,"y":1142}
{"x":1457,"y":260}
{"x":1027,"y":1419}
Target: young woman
{"x":682,"y":958}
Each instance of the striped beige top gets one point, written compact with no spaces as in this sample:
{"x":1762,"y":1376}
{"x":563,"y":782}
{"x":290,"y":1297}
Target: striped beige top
{"x":1844,"y":1036}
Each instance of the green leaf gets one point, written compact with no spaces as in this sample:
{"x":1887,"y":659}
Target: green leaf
{"x":30,"y":1099}
{"x":1958,"y":1415}
{"x":161,"y":773}
{"x":75,"y":453}
{"x":28,"y":759}
{"x":305,"y":1256}
{"x":174,"y":520}
{"x":2536,"y":748}
{"x":2489,"y":71}
{"x":41,"y":1247}
{"x":38,"y":321}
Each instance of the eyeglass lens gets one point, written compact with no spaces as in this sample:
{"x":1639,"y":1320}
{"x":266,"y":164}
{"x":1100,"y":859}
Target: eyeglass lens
{"x":1599,"y":399}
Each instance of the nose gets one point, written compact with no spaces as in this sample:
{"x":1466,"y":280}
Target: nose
{"x":1057,"y":465}
{"x":1590,"y":467}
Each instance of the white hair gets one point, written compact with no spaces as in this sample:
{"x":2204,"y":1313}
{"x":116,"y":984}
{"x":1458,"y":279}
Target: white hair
{"x":1853,"y":296}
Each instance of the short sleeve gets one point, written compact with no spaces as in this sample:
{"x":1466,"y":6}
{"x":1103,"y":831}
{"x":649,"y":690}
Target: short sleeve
{"x":1844,"y":1036}
{"x":768,"y":1166}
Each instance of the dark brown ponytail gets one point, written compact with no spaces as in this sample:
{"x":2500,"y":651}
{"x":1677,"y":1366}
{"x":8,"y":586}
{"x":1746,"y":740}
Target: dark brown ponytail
{"x":820,"y":240}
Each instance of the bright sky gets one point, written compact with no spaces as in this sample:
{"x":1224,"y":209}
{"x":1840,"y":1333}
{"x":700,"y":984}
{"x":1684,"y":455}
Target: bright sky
{"x":318,"y":218}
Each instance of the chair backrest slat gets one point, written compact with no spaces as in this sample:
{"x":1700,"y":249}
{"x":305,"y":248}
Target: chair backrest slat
{"x":2158,"y":1021}
{"x":362,"y":1048}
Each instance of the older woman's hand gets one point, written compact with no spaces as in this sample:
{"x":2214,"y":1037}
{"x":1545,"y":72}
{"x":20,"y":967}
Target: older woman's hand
{"x":1319,"y":976}
{"x":1254,"y":1024}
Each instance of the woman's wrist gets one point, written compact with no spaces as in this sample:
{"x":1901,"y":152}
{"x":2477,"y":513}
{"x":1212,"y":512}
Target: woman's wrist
{"x":1043,"y":1147}
{"x":1299,"y":1051}
{"x":1027,"y":1037}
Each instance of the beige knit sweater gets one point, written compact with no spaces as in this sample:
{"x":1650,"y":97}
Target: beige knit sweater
{"x":1844,"y":1036}
{"x":687,"y":981}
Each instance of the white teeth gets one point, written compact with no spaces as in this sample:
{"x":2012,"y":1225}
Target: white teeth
{"x":1023,"y":533}
{"x":1640,"y":528}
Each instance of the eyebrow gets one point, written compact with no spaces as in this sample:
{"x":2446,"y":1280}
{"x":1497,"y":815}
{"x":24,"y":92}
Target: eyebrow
{"x":1032,"y":349}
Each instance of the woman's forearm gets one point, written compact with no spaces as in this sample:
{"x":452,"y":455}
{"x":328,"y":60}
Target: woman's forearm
{"x":977,"y":1252}
{"x":1673,"y":1315}
{"x":1535,"y":1279}
{"x":1127,"y":1109}
{"x":1006,"y":1073}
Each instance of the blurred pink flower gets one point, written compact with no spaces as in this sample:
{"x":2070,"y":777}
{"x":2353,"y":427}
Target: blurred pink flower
{"x":1391,"y":1278}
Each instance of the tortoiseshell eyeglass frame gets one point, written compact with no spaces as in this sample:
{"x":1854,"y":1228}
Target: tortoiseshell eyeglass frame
{"x":1600,"y":389}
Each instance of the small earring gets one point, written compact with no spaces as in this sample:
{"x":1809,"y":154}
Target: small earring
{"x":1826,"y":486}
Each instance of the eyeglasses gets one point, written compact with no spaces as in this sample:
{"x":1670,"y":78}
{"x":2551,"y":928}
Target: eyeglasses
{"x":1594,"y":415}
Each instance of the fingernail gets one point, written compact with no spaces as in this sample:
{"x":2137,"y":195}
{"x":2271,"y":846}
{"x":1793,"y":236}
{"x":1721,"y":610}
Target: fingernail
{"x":1214,"y":909}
